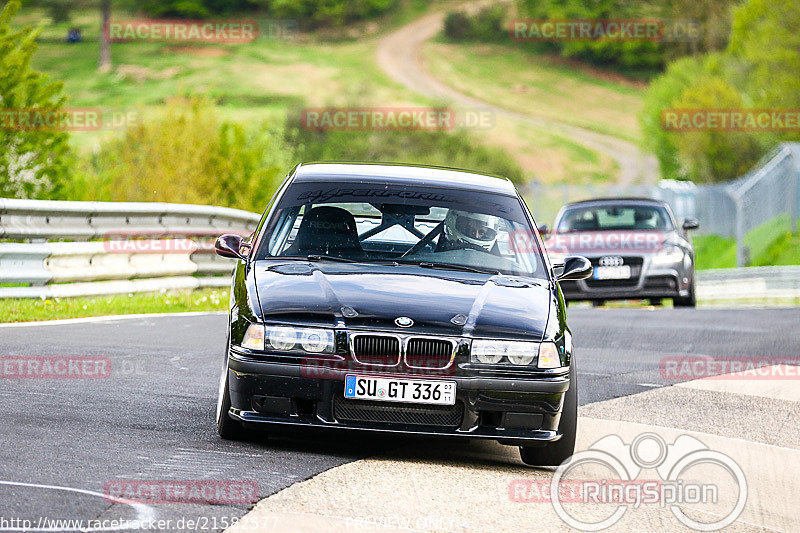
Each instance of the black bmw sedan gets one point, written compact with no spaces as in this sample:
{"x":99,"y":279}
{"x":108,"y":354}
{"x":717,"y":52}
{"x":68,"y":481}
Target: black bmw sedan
{"x":405,"y":299}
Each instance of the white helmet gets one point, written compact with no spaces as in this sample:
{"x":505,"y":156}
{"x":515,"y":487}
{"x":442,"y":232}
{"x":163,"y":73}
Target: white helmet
{"x":474,"y":228}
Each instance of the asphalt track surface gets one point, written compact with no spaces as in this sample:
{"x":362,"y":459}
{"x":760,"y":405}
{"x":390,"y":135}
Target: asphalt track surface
{"x":153,"y":418}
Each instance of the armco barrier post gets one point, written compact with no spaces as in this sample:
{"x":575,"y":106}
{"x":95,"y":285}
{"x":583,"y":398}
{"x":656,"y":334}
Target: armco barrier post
{"x":741,"y":253}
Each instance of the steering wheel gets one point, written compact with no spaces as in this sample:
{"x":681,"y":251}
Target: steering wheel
{"x":427,"y":239}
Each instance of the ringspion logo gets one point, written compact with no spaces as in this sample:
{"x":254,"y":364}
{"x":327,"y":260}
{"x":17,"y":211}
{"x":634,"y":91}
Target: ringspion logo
{"x":688,"y":475}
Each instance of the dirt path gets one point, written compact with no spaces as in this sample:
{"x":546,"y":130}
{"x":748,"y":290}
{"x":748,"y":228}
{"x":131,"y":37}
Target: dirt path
{"x":399,"y":54}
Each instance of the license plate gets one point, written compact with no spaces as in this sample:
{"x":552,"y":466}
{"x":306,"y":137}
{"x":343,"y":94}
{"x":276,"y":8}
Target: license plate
{"x":400,"y":390}
{"x":615,"y":272}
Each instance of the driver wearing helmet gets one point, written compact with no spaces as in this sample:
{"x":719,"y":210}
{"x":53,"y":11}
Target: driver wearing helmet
{"x":469,"y":230}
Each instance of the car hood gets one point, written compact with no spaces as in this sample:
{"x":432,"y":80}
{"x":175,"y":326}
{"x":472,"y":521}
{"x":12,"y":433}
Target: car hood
{"x":325,"y":294}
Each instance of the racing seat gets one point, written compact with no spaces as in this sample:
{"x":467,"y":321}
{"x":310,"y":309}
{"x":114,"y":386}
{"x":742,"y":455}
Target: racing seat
{"x":327,"y":230}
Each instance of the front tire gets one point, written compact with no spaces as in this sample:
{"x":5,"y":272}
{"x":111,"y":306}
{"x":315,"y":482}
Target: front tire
{"x":227,"y":428}
{"x":557,"y":452}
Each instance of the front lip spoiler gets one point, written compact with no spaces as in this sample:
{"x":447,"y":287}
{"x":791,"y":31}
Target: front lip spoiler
{"x":514,"y":437}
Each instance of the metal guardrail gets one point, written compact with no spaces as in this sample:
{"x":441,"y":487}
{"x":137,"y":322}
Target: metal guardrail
{"x":50,"y":220}
{"x":113,"y":247}
{"x":122,"y":247}
{"x":779,"y":283}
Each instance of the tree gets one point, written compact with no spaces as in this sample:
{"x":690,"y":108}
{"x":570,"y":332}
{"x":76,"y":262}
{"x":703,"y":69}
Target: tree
{"x":105,"y":43}
{"x":33,"y":162}
{"x":713,"y":156}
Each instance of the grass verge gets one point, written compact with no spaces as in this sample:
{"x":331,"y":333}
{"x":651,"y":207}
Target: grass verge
{"x":30,"y":309}
{"x":528,"y":83}
{"x":261,"y":80}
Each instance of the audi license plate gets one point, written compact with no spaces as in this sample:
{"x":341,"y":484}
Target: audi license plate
{"x":615,"y":272}
{"x":400,"y":390}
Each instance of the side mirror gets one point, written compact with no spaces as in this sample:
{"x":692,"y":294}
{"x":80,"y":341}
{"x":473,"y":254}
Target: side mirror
{"x":230,"y":246}
{"x":576,"y":267}
{"x":544,"y":229}
{"x":690,"y":223}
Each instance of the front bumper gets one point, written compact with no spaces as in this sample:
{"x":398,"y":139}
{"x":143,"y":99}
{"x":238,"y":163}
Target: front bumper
{"x":652,"y":281}
{"x":512,"y":410}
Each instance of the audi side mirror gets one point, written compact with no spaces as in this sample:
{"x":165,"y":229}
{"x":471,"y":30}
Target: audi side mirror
{"x":544,"y":229}
{"x":230,"y":246}
{"x":575,"y":267}
{"x":690,"y":223}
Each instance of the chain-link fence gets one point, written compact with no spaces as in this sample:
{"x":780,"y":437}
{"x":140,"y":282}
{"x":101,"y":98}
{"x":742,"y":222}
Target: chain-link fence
{"x":755,"y":209}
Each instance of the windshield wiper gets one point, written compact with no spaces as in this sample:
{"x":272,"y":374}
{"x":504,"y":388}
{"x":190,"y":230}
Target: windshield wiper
{"x":462,"y":268}
{"x":317,"y":257}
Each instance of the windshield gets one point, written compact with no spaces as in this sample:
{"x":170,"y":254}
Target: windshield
{"x":611,"y":217}
{"x":432,"y":227}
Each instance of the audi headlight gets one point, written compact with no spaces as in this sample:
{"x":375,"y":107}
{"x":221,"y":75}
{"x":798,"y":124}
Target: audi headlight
{"x":288,"y":339}
{"x":517,"y":353}
{"x":668,"y":254}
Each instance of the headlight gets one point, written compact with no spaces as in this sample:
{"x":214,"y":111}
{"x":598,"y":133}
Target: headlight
{"x":491,"y":352}
{"x":518,"y":353}
{"x":669,"y":254}
{"x":288,"y":339}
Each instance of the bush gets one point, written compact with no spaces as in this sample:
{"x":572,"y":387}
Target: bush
{"x":662,"y":94}
{"x":712,"y":156}
{"x":33,"y":163}
{"x":487,"y":25}
{"x":457,"y":26}
{"x":757,"y":70}
{"x":311,"y":13}
{"x":188,"y":155}
{"x":440,"y":148}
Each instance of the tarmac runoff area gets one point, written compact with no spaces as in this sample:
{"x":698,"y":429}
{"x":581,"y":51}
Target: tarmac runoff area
{"x":737,"y":424}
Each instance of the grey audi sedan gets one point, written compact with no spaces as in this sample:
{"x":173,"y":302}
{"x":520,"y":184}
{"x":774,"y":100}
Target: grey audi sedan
{"x":637,"y":249}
